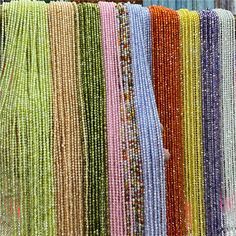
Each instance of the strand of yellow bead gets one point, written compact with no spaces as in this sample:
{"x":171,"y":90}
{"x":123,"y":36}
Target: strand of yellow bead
{"x":190,"y":47}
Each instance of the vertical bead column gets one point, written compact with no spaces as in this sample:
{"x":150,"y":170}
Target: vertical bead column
{"x":132,"y":158}
{"x":67,"y":147}
{"x":94,"y":92}
{"x":211,"y":120}
{"x":166,"y":59}
{"x":148,"y":123}
{"x":112,"y":75}
{"x":192,"y":122}
{"x":228,"y":128}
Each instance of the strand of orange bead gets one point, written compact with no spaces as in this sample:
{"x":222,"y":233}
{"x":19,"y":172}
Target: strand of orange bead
{"x":166,"y":58}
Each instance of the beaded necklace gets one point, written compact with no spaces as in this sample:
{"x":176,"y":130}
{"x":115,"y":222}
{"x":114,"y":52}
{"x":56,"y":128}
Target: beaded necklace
{"x":148,"y":124}
{"x":227,"y":104}
{"x":166,"y":58}
{"x":94,"y":94}
{"x":190,"y":37}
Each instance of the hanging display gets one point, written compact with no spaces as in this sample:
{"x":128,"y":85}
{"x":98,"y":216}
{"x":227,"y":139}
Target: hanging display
{"x":85,"y":89}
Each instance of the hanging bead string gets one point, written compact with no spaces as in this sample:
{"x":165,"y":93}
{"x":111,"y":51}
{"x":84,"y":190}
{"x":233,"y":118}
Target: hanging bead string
{"x":67,"y":140}
{"x":198,"y":125}
{"x":83,"y":128}
{"x":116,"y":182}
{"x":157,"y":143}
{"x":17,"y":90}
{"x":35,"y":136}
{"x":2,"y":33}
{"x":183,"y":14}
{"x":94,"y":94}
{"x":217,"y":168}
{"x":48,"y":186}
{"x":101,"y":106}
{"x":83,"y":67}
{"x":39,"y":136}
{"x":34,"y":164}
{"x":24,"y":110}
{"x":167,"y":85}
{"x":190,"y":38}
{"x":59,"y":169}
{"x":126,"y":72}
{"x":9,"y":192}
{"x":131,"y":144}
{"x":231,"y":69}
{"x":149,"y":125}
{"x":52,"y":21}
{"x":211,"y":120}
{"x":22,"y":114}
{"x":227,"y":103}
{"x":77,"y":162}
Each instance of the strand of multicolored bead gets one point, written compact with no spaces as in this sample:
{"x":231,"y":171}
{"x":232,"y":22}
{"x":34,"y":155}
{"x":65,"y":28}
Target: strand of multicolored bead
{"x":132,"y":158}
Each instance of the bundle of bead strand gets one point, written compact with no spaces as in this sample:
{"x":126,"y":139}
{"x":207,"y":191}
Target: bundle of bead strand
{"x":228,"y":119}
{"x":148,"y":123}
{"x":167,"y":86}
{"x":192,"y":123}
{"x":81,"y":149}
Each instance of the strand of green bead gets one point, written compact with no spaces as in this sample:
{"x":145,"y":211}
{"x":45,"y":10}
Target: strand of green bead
{"x":26,"y":119}
{"x":94,"y":95}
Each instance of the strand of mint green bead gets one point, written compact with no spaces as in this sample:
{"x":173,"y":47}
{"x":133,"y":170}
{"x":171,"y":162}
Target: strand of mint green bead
{"x":94,"y":94}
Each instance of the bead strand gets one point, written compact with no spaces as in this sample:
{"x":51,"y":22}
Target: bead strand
{"x":227,"y":104}
{"x":165,"y":28}
{"x":190,"y":35}
{"x":93,"y":89}
{"x":155,"y":221}
{"x":108,"y":17}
